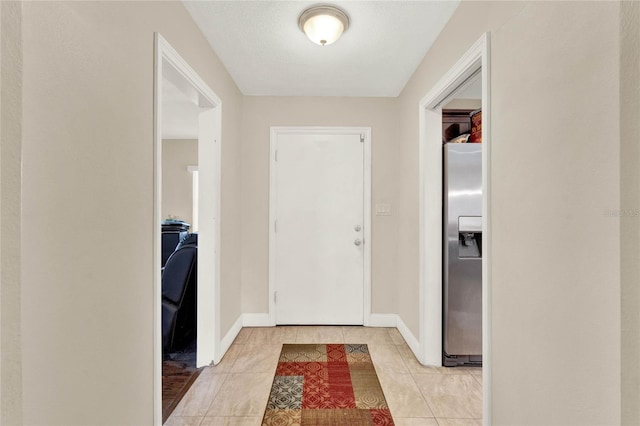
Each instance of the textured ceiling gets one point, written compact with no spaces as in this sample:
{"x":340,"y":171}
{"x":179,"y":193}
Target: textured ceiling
{"x":266,"y":53}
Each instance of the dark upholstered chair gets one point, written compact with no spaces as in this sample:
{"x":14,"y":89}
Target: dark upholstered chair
{"x":189,"y":240}
{"x":179,"y":296}
{"x":173,"y":231}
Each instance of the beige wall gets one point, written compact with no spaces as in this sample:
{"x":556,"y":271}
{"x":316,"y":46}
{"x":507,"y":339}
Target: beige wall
{"x":10,"y":218}
{"x":177,"y":181}
{"x":561,"y":294}
{"x":555,"y":123}
{"x":465,"y":27}
{"x":87,"y":320}
{"x":630,"y":203}
{"x":262,"y":112}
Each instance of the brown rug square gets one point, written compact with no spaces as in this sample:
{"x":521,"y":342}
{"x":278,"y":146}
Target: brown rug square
{"x":326,"y":385}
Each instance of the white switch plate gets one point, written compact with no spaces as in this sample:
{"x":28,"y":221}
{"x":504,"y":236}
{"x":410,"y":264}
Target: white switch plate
{"x":383,"y":209}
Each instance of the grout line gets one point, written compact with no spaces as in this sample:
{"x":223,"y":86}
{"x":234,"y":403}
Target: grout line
{"x":404,"y":361}
{"x":227,"y":374}
{"x":241,"y":348}
{"x":217,"y":393}
{"x":426,"y":401}
{"x":476,"y":379}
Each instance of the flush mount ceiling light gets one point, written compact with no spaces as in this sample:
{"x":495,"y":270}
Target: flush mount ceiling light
{"x":323,"y":24}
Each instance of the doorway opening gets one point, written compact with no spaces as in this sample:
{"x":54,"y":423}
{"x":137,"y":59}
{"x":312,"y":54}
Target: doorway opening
{"x":474,"y":64}
{"x":187,"y":119}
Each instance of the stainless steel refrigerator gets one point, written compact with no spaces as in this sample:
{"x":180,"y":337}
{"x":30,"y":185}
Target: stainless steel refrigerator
{"x":462,"y":254}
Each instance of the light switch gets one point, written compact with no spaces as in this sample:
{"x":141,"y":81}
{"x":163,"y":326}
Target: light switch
{"x":383,"y":209}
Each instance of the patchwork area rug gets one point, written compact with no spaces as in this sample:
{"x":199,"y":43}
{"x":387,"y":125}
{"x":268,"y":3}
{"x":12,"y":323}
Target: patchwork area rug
{"x":326,"y":385}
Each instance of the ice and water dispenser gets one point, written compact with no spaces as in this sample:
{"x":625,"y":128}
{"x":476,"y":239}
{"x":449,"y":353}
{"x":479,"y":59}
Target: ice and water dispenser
{"x":470,"y":236}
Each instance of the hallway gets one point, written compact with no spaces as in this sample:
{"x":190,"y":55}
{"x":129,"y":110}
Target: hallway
{"x":235,"y":392}
{"x":79,"y":191}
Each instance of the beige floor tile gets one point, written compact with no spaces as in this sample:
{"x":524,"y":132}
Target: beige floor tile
{"x":243,"y":336}
{"x":387,"y":359}
{"x":411,"y":361}
{"x":319,"y":334}
{"x":272,"y":335}
{"x":403,"y":396}
{"x":183,"y":421}
{"x":226,"y":364}
{"x":197,"y":400}
{"x":458,"y":422}
{"x":456,"y":396}
{"x":396,"y":336}
{"x":448,"y":370}
{"x":414,"y":421}
{"x":257,"y":359}
{"x":478,"y":378}
{"x":231,"y":421}
{"x":476,"y":371}
{"x":367,"y":335}
{"x":235,"y":392}
{"x":242,"y":394}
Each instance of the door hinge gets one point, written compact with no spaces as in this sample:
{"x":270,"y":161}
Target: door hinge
{"x":275,"y":297}
{"x":361,"y":137}
{"x":275,"y":225}
{"x":276,"y":155}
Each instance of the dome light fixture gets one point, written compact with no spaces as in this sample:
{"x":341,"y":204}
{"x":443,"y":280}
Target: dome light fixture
{"x":323,"y":24}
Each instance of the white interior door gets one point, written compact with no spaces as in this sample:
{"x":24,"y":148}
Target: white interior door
{"x":319,"y":248}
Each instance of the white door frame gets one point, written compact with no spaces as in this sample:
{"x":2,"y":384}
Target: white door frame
{"x":475,"y":60}
{"x":170,"y":65}
{"x":366,"y":132}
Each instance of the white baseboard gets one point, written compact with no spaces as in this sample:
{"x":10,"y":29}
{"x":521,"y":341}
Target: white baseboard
{"x":228,"y":339}
{"x":375,"y":320}
{"x":407,"y":335}
{"x":382,"y":320}
{"x":256,"y":320}
{"x":394,"y":320}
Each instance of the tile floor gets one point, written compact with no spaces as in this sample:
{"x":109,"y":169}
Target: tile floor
{"x":235,"y":392}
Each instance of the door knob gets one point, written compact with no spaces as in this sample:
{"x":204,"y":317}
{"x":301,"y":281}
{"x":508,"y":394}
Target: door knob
{"x":357,"y":242}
